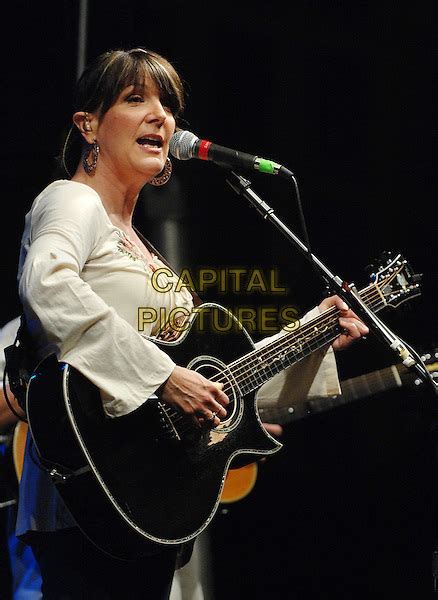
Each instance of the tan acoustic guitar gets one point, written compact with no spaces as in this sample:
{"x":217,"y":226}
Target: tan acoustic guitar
{"x":18,"y":446}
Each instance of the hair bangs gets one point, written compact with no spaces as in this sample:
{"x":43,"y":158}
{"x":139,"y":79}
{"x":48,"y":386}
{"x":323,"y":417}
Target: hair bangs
{"x":144,"y":65}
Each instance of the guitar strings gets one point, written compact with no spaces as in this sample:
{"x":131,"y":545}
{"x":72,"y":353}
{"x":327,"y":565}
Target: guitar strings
{"x":243,"y":374}
{"x":370,"y":294}
{"x":243,"y":368}
{"x":302,"y":337}
{"x":326,"y":317}
{"x":329,"y":317}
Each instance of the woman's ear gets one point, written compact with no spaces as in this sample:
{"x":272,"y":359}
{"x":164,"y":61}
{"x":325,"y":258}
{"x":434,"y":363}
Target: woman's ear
{"x":84,"y":122}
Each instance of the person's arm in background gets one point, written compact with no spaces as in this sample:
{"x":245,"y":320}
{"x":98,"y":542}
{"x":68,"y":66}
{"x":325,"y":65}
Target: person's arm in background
{"x":7,"y":417}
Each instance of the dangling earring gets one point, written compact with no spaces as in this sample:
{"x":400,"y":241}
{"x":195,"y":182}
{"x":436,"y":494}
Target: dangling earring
{"x":93,"y":150}
{"x":165,"y":174}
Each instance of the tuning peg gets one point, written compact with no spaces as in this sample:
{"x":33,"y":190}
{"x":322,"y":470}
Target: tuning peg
{"x":376,"y":264}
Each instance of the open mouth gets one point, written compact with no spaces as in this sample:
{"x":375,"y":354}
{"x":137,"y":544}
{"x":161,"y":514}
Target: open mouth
{"x":150,"y":141}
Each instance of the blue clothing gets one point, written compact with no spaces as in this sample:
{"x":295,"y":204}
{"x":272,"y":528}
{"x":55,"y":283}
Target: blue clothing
{"x":42,"y":509}
{"x":26,"y":577}
{"x":24,"y":570}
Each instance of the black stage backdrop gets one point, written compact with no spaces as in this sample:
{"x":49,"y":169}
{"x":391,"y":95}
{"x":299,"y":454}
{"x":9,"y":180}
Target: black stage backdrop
{"x":344,"y":95}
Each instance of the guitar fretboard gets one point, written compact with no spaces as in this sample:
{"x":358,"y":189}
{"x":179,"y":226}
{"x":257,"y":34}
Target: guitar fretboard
{"x":373,"y":383}
{"x":253,"y":370}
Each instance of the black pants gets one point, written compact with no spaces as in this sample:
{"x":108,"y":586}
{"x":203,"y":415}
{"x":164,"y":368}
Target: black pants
{"x":72,"y":568}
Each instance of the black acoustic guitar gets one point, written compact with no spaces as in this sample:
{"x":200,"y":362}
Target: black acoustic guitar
{"x":148,"y":479}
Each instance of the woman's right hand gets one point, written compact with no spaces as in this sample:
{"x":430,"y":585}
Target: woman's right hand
{"x":194,"y":395}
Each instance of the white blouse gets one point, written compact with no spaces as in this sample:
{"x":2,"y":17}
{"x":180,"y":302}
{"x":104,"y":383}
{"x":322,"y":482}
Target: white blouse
{"x":82,"y":284}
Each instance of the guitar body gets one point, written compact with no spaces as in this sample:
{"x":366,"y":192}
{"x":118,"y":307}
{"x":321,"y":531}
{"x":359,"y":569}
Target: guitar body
{"x":135,"y":482}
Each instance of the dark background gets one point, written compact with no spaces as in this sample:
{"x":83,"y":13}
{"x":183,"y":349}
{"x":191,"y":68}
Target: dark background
{"x":344,"y":95}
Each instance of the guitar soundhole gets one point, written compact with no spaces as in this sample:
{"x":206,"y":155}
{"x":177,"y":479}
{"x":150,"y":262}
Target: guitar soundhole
{"x":214,"y":369}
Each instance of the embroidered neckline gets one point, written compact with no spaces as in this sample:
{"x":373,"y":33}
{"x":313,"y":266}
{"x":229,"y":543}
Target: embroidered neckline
{"x":129,"y":248}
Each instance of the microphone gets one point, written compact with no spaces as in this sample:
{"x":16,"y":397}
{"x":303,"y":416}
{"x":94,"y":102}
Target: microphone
{"x":185,"y":145}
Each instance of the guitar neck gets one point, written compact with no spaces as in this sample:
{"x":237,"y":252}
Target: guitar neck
{"x":254,"y":369}
{"x":378,"y":381}
{"x":364,"y":386}
{"x":353,"y":389}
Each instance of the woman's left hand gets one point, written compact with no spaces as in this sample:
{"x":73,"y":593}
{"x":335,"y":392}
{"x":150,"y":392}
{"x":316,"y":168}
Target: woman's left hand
{"x":353,"y":327}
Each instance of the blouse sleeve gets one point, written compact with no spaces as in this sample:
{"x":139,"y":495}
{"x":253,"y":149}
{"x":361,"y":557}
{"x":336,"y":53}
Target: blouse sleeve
{"x":314,"y":376}
{"x":66,"y":317}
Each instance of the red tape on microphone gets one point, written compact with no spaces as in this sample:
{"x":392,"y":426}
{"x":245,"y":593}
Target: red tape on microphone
{"x":203,"y":149}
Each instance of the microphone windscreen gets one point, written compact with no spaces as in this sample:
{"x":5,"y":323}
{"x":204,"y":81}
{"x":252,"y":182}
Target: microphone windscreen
{"x":181,"y":145}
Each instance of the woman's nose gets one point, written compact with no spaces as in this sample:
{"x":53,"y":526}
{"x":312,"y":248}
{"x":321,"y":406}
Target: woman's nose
{"x":157,"y":113}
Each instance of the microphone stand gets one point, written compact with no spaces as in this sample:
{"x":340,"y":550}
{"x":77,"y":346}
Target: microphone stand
{"x":348,"y":293}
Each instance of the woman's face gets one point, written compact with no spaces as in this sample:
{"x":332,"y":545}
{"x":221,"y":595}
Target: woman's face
{"x":134,"y":133}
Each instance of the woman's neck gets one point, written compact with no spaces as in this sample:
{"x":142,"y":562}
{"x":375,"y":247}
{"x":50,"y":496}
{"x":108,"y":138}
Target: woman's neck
{"x":119,"y":200}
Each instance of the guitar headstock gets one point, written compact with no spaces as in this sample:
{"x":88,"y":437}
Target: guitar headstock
{"x":395,"y":279}
{"x":430,"y":360}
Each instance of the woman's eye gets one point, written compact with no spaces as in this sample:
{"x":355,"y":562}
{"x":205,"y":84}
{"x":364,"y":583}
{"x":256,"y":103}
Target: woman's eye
{"x":135,"y":98}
